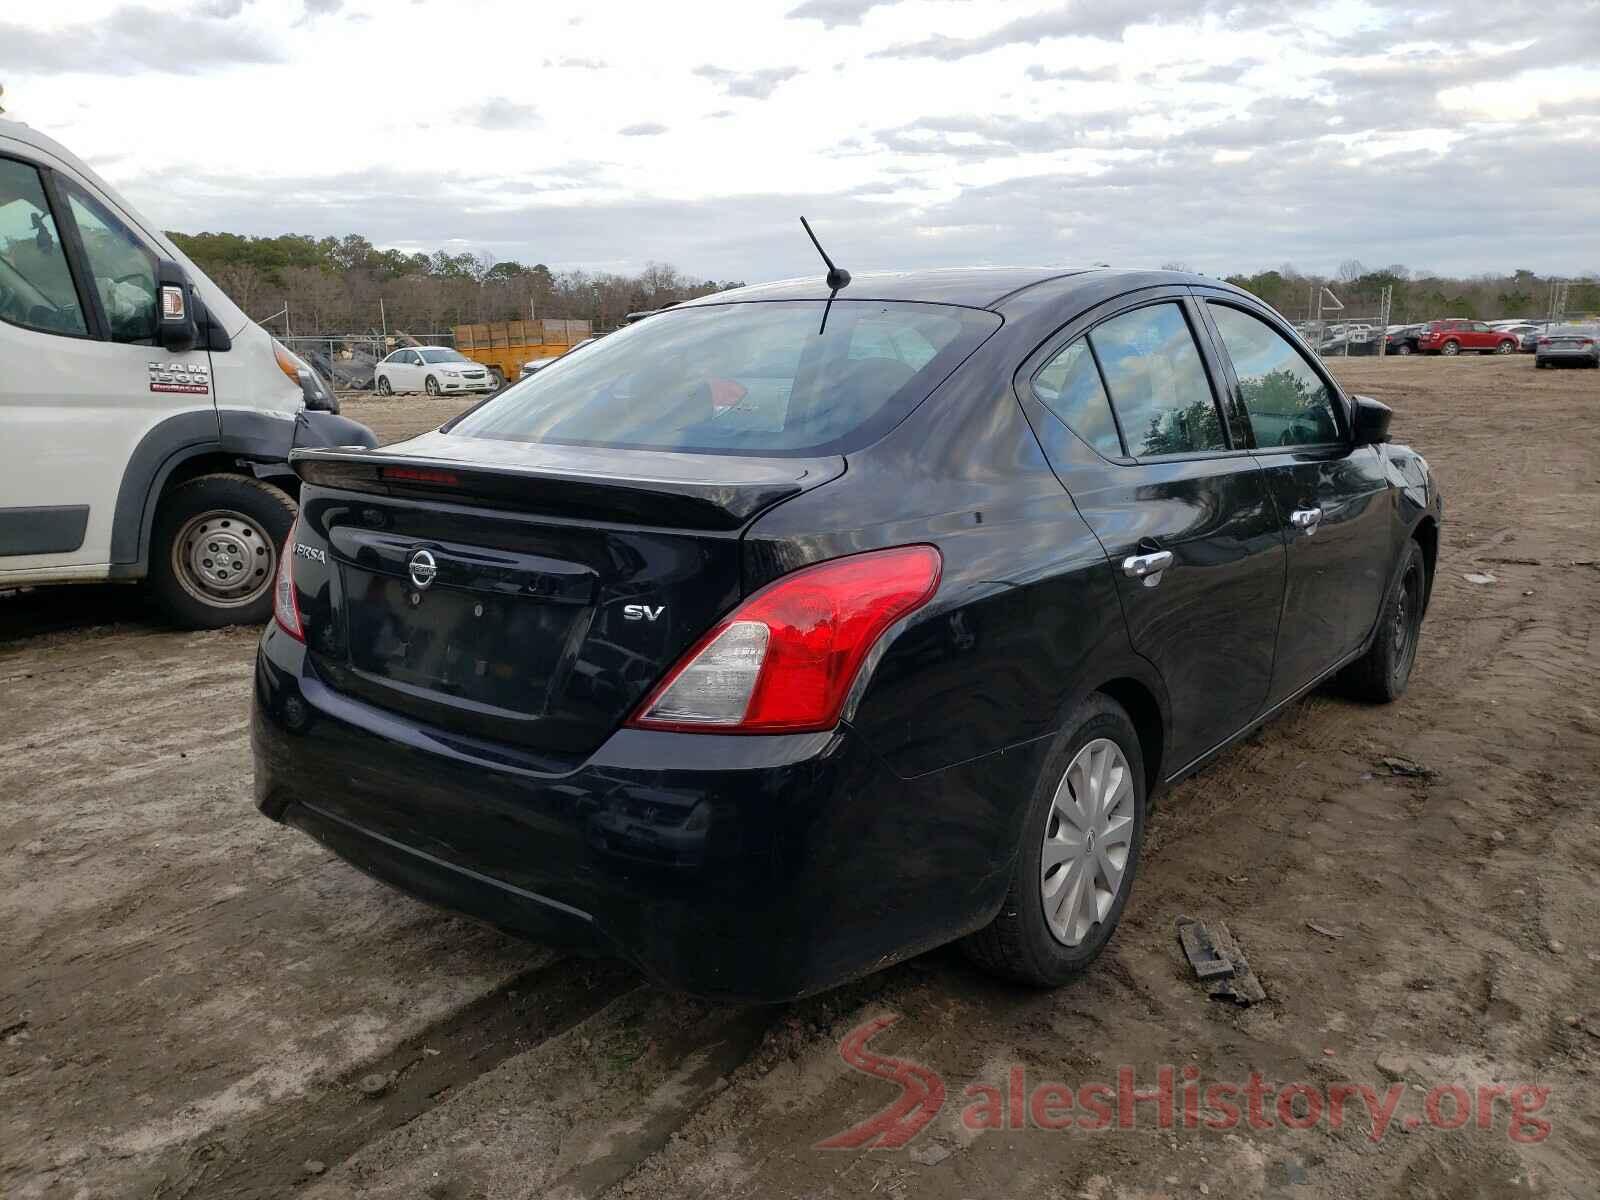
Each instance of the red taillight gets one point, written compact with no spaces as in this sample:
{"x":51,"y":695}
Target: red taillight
{"x":785,"y":659}
{"x":419,"y":475}
{"x":285,"y":603}
{"x":1544,"y":341}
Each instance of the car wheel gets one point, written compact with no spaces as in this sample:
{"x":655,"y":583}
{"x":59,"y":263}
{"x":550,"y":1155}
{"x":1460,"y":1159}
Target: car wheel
{"x":497,"y":377}
{"x":1403,"y":348}
{"x":1540,"y":363}
{"x":385,"y":388}
{"x":1382,"y":673}
{"x":215,"y":550}
{"x":1450,"y":349}
{"x":431,"y":386}
{"x":1079,"y":852}
{"x":1505,"y":348}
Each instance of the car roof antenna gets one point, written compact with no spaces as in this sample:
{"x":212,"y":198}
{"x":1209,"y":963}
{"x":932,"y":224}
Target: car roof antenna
{"x":838,"y":277}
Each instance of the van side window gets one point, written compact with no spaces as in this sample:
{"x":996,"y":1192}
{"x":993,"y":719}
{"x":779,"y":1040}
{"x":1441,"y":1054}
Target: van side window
{"x":1158,"y":382}
{"x":36,"y":289}
{"x":1069,"y":386}
{"x":124,"y":270}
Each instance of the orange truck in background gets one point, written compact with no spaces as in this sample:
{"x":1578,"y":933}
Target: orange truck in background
{"x":503,"y":346}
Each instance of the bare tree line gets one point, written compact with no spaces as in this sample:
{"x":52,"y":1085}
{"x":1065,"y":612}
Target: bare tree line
{"x":346,"y":285}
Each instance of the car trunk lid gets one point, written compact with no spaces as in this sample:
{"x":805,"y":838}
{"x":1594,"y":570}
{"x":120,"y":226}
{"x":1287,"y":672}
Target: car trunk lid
{"x":520,"y":593}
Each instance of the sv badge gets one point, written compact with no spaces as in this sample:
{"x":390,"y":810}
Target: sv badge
{"x":642,"y":612}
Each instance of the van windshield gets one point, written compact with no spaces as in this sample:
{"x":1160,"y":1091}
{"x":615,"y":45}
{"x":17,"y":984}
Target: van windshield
{"x":753,"y":378}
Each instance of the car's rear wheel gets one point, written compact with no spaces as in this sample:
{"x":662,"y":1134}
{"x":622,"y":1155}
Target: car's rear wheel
{"x":385,"y":388}
{"x":1382,"y":673}
{"x":1450,"y":349}
{"x":1506,"y":347}
{"x":1403,"y":348}
{"x":1079,"y":853}
{"x":431,"y":386}
{"x":215,"y":550}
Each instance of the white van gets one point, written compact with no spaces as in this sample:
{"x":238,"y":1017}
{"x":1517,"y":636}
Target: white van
{"x":145,"y":421}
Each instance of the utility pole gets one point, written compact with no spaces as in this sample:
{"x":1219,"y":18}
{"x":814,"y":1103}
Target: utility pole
{"x":1384,"y":305}
{"x":383,"y":318}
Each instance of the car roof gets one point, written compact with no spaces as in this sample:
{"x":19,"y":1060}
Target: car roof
{"x":974,"y":287}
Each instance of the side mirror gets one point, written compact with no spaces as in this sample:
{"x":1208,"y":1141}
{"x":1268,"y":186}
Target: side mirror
{"x":176,"y":328}
{"x":1371,"y":421}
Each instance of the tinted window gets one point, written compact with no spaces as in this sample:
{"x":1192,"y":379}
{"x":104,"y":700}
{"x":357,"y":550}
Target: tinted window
{"x":1158,"y":382}
{"x":1287,"y":402}
{"x":1069,"y":386}
{"x":124,"y":270}
{"x":742,"y":378}
{"x":35,"y":285}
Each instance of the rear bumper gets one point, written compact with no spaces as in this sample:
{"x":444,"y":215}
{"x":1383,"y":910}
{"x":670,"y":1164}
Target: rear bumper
{"x":1577,"y":355}
{"x":749,"y":868}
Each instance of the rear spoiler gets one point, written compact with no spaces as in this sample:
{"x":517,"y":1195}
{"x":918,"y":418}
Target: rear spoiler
{"x":687,"y":491}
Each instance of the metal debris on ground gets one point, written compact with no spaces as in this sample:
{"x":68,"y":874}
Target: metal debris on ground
{"x":1405,"y":766}
{"x":1219,"y":962}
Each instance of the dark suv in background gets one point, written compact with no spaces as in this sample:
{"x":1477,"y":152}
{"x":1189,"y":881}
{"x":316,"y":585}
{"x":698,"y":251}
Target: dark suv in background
{"x":783,"y":635}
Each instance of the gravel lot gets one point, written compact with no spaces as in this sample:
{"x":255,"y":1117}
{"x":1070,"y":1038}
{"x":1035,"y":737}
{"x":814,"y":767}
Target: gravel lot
{"x":196,"y":1002}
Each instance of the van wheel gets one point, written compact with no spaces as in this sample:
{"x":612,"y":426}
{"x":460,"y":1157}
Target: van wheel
{"x":215,"y":550}
{"x":1079,"y":853}
{"x":431,"y":386}
{"x":385,"y":388}
{"x":1382,"y":673}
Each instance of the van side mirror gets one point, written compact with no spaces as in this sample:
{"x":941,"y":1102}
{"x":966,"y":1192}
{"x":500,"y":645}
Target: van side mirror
{"x":176,"y":328}
{"x":1371,"y":420}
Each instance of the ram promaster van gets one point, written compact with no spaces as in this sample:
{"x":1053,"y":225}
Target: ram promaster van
{"x":145,"y":421}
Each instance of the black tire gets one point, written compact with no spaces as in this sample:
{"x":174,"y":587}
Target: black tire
{"x":431,"y":386}
{"x":1382,"y":673}
{"x":251,"y":519}
{"x":499,"y":377}
{"x":385,"y":388}
{"x":1506,"y":347}
{"x":1450,"y":349}
{"x":1018,"y":944}
{"x":1403,"y":348}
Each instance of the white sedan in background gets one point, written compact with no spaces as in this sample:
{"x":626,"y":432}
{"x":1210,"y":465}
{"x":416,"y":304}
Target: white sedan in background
{"x":436,"y":370}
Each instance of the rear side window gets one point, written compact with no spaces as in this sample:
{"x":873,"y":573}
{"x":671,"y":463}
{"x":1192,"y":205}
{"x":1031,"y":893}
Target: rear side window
{"x":1069,"y":386}
{"x":1158,"y":382}
{"x":124,"y":270}
{"x":1287,"y":402}
{"x":755,"y":378}
{"x":36,"y":289}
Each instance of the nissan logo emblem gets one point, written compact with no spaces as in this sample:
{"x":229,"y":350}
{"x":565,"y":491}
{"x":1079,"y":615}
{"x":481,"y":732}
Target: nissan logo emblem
{"x":422,"y":568}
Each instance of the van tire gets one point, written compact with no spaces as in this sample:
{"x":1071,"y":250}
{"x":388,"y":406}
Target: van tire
{"x":251,"y":521}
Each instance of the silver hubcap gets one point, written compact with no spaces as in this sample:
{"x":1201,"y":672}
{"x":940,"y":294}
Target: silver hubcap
{"x":224,"y":558}
{"x":1087,"y":838}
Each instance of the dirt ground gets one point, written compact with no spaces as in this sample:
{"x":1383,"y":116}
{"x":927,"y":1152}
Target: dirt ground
{"x":195,"y":1002}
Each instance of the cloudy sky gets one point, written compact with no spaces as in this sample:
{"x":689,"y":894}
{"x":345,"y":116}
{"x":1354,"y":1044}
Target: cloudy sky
{"x":1460,"y":136}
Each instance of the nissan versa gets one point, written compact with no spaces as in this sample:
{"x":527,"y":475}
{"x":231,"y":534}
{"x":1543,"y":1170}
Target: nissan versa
{"x":793,"y":631}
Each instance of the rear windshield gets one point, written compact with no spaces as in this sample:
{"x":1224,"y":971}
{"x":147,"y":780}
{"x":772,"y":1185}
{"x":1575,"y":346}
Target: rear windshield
{"x":756,"y":378}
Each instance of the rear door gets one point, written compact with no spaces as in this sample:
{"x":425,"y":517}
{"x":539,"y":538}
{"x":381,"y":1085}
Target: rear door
{"x":1182,"y":512}
{"x":1331,"y":497}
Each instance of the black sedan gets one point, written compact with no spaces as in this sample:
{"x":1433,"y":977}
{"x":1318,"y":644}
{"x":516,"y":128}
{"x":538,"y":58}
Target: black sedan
{"x":780,"y":636}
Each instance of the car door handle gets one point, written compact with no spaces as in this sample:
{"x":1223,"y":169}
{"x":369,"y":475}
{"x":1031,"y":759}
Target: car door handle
{"x":1147,"y":567}
{"x":1306,"y":520}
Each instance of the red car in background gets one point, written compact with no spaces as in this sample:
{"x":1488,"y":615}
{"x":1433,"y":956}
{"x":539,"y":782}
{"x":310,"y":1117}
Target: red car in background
{"x":1457,"y":334}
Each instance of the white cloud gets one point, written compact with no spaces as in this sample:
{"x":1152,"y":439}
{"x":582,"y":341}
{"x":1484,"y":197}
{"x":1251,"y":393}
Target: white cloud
{"x":1225,"y":133}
